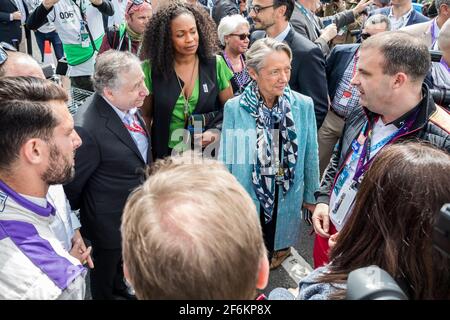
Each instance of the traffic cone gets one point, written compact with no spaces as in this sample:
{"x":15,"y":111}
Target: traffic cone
{"x":48,"y":55}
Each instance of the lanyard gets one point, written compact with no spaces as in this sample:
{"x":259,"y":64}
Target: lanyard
{"x":364,"y":159}
{"x":80,"y":7}
{"x":129,"y":41}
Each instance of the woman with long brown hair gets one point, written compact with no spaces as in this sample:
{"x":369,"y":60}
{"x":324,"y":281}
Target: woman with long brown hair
{"x":391,"y":226}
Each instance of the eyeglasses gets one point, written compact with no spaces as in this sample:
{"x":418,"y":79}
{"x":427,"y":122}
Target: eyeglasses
{"x":4,"y":47}
{"x":258,"y":8}
{"x":365,"y":35}
{"x":137,"y":3}
{"x":241,"y":36}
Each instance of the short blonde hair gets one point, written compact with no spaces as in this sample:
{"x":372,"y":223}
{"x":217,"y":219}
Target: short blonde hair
{"x":229,"y":24}
{"x":192,"y":232}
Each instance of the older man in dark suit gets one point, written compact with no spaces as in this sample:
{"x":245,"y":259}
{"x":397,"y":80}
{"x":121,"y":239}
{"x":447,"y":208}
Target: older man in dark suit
{"x":110,"y":164}
{"x":308,"y":64}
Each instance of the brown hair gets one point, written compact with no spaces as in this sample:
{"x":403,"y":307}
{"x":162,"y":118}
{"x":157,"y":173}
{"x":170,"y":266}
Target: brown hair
{"x":25,"y":113}
{"x":192,"y":232}
{"x":402,"y":53}
{"x":392,"y":222}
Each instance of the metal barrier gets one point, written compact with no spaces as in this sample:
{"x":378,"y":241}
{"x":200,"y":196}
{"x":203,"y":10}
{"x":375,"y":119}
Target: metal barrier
{"x":77,"y":98}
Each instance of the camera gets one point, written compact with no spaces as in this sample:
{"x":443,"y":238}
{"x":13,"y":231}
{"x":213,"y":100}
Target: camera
{"x":441,"y":96}
{"x":435,"y":55}
{"x":373,"y":283}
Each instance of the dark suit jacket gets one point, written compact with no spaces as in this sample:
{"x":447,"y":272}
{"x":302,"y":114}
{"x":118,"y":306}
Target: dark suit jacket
{"x":308,"y":71}
{"x":224,"y":8}
{"x":307,"y":28}
{"x":108,"y":166}
{"x":337,"y":62}
{"x":415,"y":17}
{"x":9,"y":29}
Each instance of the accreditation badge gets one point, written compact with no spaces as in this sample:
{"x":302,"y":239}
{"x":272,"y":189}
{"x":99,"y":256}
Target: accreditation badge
{"x":344,"y":204}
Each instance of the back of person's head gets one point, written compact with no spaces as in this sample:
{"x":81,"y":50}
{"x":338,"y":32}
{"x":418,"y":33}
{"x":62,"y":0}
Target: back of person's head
{"x":109,"y":69}
{"x":289,"y":7}
{"x":401,"y":53}
{"x":20,"y":64}
{"x":378,"y":19}
{"x":192,"y":232}
{"x":392,"y":222}
{"x":25,"y":113}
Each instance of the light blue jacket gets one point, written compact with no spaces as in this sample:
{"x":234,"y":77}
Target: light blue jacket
{"x":237,"y":151}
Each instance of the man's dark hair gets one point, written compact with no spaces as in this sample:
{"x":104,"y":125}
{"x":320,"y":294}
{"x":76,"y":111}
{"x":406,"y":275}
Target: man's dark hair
{"x":25,"y":113}
{"x":157,"y":42}
{"x":402,"y":53}
{"x":289,"y":7}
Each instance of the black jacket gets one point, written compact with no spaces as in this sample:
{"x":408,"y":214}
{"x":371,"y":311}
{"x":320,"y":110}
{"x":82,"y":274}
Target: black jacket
{"x":9,"y":30}
{"x":108,"y":166}
{"x":224,"y":8}
{"x":423,"y":129}
{"x":308,"y":71}
{"x":166,"y":91}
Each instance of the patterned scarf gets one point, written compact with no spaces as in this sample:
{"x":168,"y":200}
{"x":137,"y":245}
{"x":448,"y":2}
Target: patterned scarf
{"x":263,"y":175}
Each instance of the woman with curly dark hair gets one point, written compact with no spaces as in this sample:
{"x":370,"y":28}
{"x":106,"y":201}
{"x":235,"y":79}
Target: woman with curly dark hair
{"x":188,"y":82}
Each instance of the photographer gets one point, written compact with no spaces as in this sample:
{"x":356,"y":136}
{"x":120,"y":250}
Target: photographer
{"x":305,"y":22}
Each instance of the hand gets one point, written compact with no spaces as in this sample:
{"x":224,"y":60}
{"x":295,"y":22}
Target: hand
{"x":207,"y":137}
{"x":321,"y":220}
{"x":363,"y":4}
{"x":17,"y":15}
{"x":333,"y":240}
{"x":96,"y":2}
{"x":48,"y":4}
{"x":329,"y":32}
{"x":80,"y":251}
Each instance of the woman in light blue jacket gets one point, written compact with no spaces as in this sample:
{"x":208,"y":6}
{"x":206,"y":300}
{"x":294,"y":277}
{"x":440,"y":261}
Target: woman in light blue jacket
{"x":269,"y":143}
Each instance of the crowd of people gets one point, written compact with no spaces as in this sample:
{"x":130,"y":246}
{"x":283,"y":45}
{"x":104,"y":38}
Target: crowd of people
{"x":214,"y":130}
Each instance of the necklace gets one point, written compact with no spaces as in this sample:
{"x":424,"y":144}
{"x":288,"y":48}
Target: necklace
{"x":183,"y":91}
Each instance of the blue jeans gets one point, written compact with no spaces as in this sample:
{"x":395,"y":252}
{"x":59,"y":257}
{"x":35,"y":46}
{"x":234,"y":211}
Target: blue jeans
{"x":54,"y":39}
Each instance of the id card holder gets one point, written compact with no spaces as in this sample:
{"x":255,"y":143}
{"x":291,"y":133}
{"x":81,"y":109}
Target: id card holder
{"x":344,"y":204}
{"x":84,"y":35}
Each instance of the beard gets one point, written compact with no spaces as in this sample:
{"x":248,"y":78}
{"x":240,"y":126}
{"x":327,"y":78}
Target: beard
{"x":59,"y":170}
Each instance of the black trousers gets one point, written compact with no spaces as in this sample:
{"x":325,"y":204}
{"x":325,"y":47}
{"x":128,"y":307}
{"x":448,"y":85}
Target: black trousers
{"x":107,"y":279}
{"x":268,"y":229}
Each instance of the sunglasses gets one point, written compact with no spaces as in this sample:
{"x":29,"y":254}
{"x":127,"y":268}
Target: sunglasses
{"x":137,"y":3}
{"x":365,"y":35}
{"x":4,"y":47}
{"x":241,"y":36}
